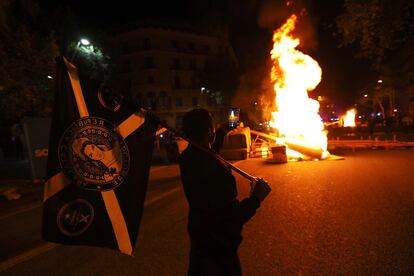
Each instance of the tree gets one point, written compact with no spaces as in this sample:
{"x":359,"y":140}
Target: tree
{"x":91,"y":59}
{"x":378,"y":27}
{"x":384,"y":33}
{"x":220,"y":77}
{"x":26,"y":70}
{"x":380,"y":99}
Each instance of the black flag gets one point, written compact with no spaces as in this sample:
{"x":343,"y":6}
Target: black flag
{"x":98,"y":166}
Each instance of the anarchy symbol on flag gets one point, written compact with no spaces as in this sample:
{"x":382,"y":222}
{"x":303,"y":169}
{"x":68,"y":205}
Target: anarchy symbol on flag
{"x":75,"y":217}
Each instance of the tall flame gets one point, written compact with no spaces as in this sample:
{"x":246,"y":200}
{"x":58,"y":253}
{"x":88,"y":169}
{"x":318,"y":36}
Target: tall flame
{"x":349,"y":118}
{"x":294,"y":74}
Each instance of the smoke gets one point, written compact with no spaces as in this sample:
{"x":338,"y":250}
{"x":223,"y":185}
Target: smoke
{"x":272,"y":14}
{"x":255,"y":85}
{"x":254,"y":95}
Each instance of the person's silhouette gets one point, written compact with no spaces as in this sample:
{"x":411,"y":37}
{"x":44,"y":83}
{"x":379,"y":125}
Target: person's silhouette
{"x":216,"y":217}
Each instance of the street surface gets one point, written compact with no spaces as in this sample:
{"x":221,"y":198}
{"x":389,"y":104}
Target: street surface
{"x":348,"y":217}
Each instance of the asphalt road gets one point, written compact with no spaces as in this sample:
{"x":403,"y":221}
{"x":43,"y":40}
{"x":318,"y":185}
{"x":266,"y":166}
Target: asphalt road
{"x":349,"y":217}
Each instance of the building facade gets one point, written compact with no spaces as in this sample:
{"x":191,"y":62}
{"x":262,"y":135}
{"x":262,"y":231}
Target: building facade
{"x":162,"y":69}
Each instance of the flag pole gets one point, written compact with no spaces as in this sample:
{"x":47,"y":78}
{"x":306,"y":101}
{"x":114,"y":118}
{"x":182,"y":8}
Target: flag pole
{"x":208,"y":152}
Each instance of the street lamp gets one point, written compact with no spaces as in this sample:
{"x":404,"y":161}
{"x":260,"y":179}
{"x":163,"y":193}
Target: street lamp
{"x":82,"y":42}
{"x":379,"y":81}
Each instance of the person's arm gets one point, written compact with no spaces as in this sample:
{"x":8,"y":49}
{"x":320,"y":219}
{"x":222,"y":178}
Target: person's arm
{"x":212,"y":191}
{"x":222,"y":202}
{"x":242,"y":211}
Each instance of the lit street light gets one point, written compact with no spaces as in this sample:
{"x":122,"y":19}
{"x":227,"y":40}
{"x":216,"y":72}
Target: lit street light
{"x":82,"y":42}
{"x":379,"y":81}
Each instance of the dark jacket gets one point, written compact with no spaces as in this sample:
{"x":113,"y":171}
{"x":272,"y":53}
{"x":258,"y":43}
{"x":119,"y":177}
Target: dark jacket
{"x":216,"y":216}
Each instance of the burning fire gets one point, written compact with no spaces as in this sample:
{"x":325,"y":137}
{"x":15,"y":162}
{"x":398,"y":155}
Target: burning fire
{"x":232,"y":117}
{"x":349,"y":118}
{"x":296,"y":117}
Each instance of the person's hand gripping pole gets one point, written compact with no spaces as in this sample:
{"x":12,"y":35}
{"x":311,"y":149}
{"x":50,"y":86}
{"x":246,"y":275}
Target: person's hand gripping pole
{"x":259,"y":189}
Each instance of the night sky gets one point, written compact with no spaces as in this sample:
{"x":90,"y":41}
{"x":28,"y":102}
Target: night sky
{"x":250,"y":24}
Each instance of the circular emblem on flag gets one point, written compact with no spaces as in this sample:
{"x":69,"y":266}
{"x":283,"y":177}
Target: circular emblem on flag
{"x":93,"y":155}
{"x":75,"y":217}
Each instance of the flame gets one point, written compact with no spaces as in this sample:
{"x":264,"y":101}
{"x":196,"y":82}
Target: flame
{"x":349,"y":118}
{"x":294,"y":74}
{"x":265,"y":151}
{"x":232,"y":117}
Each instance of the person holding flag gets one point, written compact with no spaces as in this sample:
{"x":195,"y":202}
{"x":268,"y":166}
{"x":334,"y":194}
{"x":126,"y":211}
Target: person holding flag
{"x":216,"y":217}
{"x":97,"y":174}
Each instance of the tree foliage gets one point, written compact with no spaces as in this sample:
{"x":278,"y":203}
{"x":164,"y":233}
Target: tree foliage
{"x":220,"y":77}
{"x":377,"y":26}
{"x":91,"y":59}
{"x":27,"y":59}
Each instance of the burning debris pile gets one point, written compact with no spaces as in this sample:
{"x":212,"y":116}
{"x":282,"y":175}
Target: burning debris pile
{"x":296,"y":120}
{"x":349,"y":118}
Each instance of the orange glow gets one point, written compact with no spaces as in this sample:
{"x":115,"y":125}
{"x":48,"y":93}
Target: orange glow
{"x":349,"y":118}
{"x":294,"y":74}
{"x":265,"y":151}
{"x":232,"y":117}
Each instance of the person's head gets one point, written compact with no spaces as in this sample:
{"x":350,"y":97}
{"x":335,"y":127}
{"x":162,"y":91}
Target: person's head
{"x":92,"y":151}
{"x":87,"y":150}
{"x":198,"y":125}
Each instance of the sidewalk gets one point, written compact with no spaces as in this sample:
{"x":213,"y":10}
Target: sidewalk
{"x":18,"y":194}
{"x":20,"y":186}
{"x":15,"y":176}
